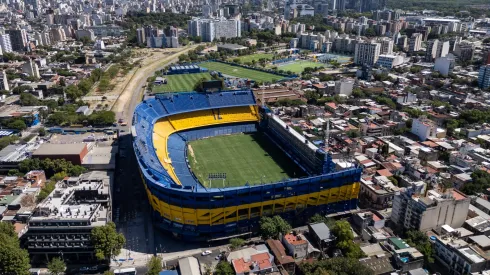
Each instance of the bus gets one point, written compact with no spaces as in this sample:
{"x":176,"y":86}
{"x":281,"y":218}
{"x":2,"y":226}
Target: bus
{"x":125,"y":271}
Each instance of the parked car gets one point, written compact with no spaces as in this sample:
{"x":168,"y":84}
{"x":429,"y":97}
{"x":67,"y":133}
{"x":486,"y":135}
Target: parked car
{"x":205,"y":253}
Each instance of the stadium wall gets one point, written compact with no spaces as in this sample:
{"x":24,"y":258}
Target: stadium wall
{"x":196,"y":213}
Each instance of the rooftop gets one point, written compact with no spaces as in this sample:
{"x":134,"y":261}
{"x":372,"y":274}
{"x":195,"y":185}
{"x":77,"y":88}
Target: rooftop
{"x":47,"y":149}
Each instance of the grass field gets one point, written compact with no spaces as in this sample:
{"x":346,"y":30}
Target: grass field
{"x":251,"y":57}
{"x":180,"y":82}
{"x":299,"y":66}
{"x":251,"y":158}
{"x":240,"y":72}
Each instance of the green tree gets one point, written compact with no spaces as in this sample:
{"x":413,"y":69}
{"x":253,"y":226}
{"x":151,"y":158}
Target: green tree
{"x":108,"y":272}
{"x":224,"y":268}
{"x":17,"y":124}
{"x":317,"y":218}
{"x":353,"y":134}
{"x":154,"y":266}
{"x":393,"y":180}
{"x":56,"y":266}
{"x":107,"y":241}
{"x":236,"y":243}
{"x":5,"y":141}
{"x":340,"y":265}
{"x":480,"y":181}
{"x":420,"y":241}
{"x":27,"y":99}
{"x":344,"y":240}
{"x":271,"y":227}
{"x":13,"y":259}
{"x":42,"y":131}
{"x":311,"y":96}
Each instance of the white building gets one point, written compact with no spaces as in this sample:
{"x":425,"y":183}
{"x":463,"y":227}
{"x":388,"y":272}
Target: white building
{"x":386,"y":46}
{"x":389,"y":61}
{"x":367,"y":53}
{"x":344,"y":86}
{"x":210,"y":29}
{"x":445,"y":65}
{"x":4,"y":85}
{"x":415,"y":43}
{"x":5,"y":43}
{"x":31,"y":69}
{"x":424,"y":128}
{"x":430,"y":212}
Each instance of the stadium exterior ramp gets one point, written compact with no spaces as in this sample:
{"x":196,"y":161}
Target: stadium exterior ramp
{"x":181,"y":205}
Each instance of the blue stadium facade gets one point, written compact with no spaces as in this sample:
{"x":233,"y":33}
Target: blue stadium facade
{"x":184,"y":207}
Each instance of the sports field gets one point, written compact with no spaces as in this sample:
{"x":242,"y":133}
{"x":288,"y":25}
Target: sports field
{"x":251,"y":57}
{"x":299,"y":66}
{"x":251,"y":158}
{"x":240,"y":72}
{"x":180,"y":82}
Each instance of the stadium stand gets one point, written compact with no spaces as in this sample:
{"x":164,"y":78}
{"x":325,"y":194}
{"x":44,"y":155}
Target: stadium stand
{"x":181,"y":205}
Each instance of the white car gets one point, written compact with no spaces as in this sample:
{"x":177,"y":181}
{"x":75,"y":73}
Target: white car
{"x":205,"y":253}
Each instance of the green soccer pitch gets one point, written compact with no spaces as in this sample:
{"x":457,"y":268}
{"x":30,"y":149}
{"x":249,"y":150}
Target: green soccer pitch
{"x":252,"y":57}
{"x":180,"y":82}
{"x":299,"y":66}
{"x":240,"y":72}
{"x":251,"y":158}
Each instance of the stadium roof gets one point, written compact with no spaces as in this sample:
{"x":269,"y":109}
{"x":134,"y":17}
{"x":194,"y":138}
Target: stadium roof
{"x":295,"y":134}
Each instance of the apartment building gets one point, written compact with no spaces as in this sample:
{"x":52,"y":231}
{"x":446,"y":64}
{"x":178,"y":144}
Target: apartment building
{"x":430,"y":212}
{"x":367,"y":53}
{"x":61,"y":225}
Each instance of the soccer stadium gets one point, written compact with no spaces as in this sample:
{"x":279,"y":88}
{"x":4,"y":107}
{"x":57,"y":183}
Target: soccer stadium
{"x":214,"y":163}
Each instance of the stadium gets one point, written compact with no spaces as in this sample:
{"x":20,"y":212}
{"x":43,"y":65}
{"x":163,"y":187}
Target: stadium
{"x":214,"y":163}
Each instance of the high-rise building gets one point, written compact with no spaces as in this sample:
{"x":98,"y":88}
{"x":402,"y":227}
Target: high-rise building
{"x":464,"y":51}
{"x":445,"y":65}
{"x":4,"y":85}
{"x":430,"y":212}
{"x":5,"y":43}
{"x":386,"y":45}
{"x":436,"y":49}
{"x":31,"y":68}
{"x":367,"y":53}
{"x":415,"y":43}
{"x":18,"y":38}
{"x":140,"y":36}
{"x":484,"y":77}
{"x":210,"y":29}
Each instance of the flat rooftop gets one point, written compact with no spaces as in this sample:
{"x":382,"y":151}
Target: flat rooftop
{"x":61,"y":203}
{"x":59,"y":149}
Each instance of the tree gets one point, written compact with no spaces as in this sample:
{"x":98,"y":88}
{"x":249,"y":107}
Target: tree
{"x":17,"y":124}
{"x":393,"y":180}
{"x":56,"y":266}
{"x":317,"y":218}
{"x":13,"y":259}
{"x":480,"y":182}
{"x":311,"y":96}
{"x":154,"y":266}
{"x":27,"y":99}
{"x":344,"y":240}
{"x":108,"y":272}
{"x":236,"y":243}
{"x":42,"y":131}
{"x":5,"y":141}
{"x":340,"y":265}
{"x":353,"y":134}
{"x":420,"y":241}
{"x":107,"y":241}
{"x":224,"y":268}
{"x":272,"y":227}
